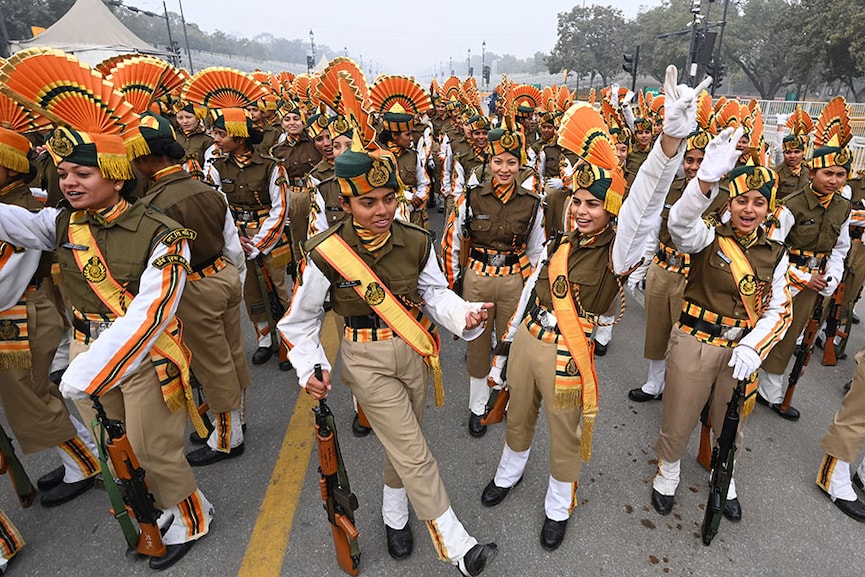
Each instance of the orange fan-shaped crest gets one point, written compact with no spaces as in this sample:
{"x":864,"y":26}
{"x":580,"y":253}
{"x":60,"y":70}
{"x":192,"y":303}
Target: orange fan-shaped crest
{"x":705,"y":112}
{"x":527,"y":95}
{"x":390,"y":90}
{"x":67,"y":92}
{"x":592,"y":97}
{"x":327,"y":89}
{"x":144,"y":79}
{"x":800,"y":122}
{"x":19,"y":119}
{"x":219,"y":87}
{"x":584,"y":133}
{"x":451,"y":88}
{"x":548,"y":97}
{"x":356,"y":108}
{"x":302,"y":88}
{"x":834,"y":121}
{"x":564,"y":99}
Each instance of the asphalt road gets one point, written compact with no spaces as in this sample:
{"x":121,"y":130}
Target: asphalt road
{"x":789,"y":526}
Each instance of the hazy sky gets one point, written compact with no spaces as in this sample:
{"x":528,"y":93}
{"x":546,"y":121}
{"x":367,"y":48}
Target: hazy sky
{"x":406,"y":37}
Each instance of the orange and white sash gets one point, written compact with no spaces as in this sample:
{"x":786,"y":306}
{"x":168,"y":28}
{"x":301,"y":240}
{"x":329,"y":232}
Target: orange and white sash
{"x":585,"y":391}
{"x":168,"y":350}
{"x":351,"y":267}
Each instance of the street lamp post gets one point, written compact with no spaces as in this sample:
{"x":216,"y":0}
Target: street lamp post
{"x":311,"y":63}
{"x":451,"y":62}
{"x":469,"y":63}
{"x":185,"y":38}
{"x":484,"y":62}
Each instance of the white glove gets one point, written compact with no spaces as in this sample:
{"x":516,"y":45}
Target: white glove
{"x":829,"y":289}
{"x":745,"y":362}
{"x":680,"y":105}
{"x":721,"y":156}
{"x":614,"y":96}
{"x":555,"y":183}
{"x":496,"y":371}
{"x":69,"y":391}
{"x":626,"y":101}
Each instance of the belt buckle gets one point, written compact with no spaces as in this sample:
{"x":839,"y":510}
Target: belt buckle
{"x":97,"y":328}
{"x":812,"y":262}
{"x":547,"y":319}
{"x":245,"y":215}
{"x":497,"y":259}
{"x":732,"y":334}
{"x":674,"y":260}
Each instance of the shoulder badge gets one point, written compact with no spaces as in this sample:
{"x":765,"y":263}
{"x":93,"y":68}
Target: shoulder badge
{"x":169,"y":259}
{"x":178,"y":234}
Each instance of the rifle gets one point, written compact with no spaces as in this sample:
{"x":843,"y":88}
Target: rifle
{"x":339,"y":502}
{"x":723,"y":456}
{"x":833,"y":321}
{"x":465,"y":245}
{"x":704,"y":453}
{"x":497,"y":413}
{"x":802,"y":356}
{"x":9,"y":463}
{"x":132,"y":484}
{"x":272,"y":305}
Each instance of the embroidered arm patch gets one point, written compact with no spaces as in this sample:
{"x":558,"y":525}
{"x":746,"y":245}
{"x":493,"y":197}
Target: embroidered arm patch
{"x":172,"y":259}
{"x":177,"y":234}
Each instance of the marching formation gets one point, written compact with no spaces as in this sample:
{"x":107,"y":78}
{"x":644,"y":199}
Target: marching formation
{"x":142,"y":208}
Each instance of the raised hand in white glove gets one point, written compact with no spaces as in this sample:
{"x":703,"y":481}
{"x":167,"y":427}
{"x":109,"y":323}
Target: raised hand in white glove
{"x":555,"y":183}
{"x":680,"y":105}
{"x":829,"y":289}
{"x":745,"y":361}
{"x":495,"y":373}
{"x":629,"y":96}
{"x":721,"y":156}
{"x":614,"y":96}
{"x":69,"y":391}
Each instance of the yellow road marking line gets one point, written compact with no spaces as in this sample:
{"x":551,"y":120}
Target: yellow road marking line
{"x":266,"y":548}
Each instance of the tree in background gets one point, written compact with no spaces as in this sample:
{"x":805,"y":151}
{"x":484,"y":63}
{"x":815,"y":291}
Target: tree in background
{"x":590,"y":42}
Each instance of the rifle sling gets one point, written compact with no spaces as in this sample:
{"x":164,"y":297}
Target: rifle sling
{"x":121,"y":513}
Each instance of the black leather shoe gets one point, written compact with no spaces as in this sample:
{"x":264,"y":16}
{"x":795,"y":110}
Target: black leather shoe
{"x":553,"y":533}
{"x":663,"y":504}
{"x":733,"y":510}
{"x":357,"y":429}
{"x":493,"y":494}
{"x":285,"y":365}
{"x":173,"y":554}
{"x":857,"y":482}
{"x":855,"y":319}
{"x":638,"y":395}
{"x":441,"y":208}
{"x":476,"y":429}
{"x":474,"y":562}
{"x":51,"y":479}
{"x":790,"y":414}
{"x":261,"y":355}
{"x":207,"y":456}
{"x":196,"y":439}
{"x":854,"y":509}
{"x":400,"y":542}
{"x":600,"y":350}
{"x":64,"y":492}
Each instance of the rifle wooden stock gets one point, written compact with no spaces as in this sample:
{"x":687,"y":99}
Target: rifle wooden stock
{"x":802,"y":355}
{"x":9,"y":463}
{"x":833,"y":321}
{"x":361,"y":417}
{"x":339,"y":502}
{"x":497,"y":413}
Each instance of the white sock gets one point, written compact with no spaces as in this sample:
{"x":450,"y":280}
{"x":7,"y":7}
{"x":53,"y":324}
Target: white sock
{"x":234,"y":425}
{"x":840,"y":486}
{"x":450,"y":538}
{"x":667,"y":479}
{"x":263,"y":331}
{"x":655,"y":383}
{"x":511,"y":467}
{"x":394,"y":507}
{"x":771,"y":387}
{"x":560,"y":500}
{"x":479,"y":395}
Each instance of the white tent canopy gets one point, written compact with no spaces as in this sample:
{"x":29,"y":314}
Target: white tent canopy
{"x":91,"y":32}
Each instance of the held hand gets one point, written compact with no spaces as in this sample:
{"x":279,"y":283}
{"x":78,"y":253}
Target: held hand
{"x":830,"y":284}
{"x":495,"y":374}
{"x":318,"y":389}
{"x":745,"y":362}
{"x":417,"y":201}
{"x":555,"y":183}
{"x":476,"y":317}
{"x":721,"y":156}
{"x":246,"y":244}
{"x":680,"y":105}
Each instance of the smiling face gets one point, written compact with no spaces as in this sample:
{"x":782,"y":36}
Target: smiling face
{"x":505,"y":167}
{"x":324,"y":145}
{"x":292,"y":124}
{"x":480,"y":137}
{"x":693,"y":160}
{"x":748,"y":211}
{"x":84,"y":186}
{"x":373,"y":211}
{"x":588,"y":212}
{"x":643,"y":137}
{"x":548,"y":131}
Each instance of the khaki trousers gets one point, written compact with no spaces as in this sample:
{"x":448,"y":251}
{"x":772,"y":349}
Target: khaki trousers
{"x":779,"y":356}
{"x":155,"y":433}
{"x":390,"y":380}
{"x":210,"y":312}
{"x":664,"y":291}
{"x":846,"y":434}
{"x":532,"y":378}
{"x":696,"y":373}
{"x":504,"y":293}
{"x":298,"y":216}
{"x":32,"y":403}
{"x":256,"y":306}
